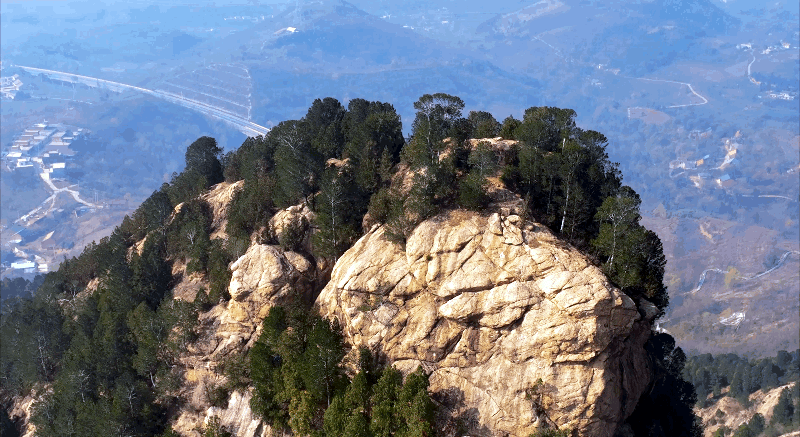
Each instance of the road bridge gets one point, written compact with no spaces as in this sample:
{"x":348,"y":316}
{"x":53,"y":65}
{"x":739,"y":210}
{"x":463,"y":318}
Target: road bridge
{"x":245,"y":126}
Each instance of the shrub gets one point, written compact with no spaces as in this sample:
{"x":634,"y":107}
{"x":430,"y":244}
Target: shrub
{"x":291,"y":236}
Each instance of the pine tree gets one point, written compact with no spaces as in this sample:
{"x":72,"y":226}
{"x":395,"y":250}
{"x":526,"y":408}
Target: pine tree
{"x":784,"y":409}
{"x":339,"y":212}
{"x":619,"y":215}
{"x":203,"y":156}
{"x":335,"y":418}
{"x":435,"y":116}
{"x":357,"y":425}
{"x":385,"y":418}
{"x":296,"y":163}
{"x":321,"y":372}
{"x":510,"y":124}
{"x":414,"y":406}
{"x":483,"y":124}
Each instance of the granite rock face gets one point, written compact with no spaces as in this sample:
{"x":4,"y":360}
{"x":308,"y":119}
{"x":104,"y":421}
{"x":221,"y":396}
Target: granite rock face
{"x":517,"y":328}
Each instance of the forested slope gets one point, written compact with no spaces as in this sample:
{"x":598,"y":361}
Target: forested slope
{"x":100,"y":342}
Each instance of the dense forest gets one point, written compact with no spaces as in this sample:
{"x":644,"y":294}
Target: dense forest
{"x":100,"y":339}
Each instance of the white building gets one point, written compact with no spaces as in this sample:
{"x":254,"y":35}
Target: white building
{"x":23,"y":265}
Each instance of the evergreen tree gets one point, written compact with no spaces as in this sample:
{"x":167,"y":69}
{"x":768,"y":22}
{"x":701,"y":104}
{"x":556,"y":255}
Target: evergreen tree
{"x":545,"y":128}
{"x":757,"y":423}
{"x":336,"y":416}
{"x":509,"y":126}
{"x":385,"y":418}
{"x":435,"y":116}
{"x":473,"y":187}
{"x":321,"y":372}
{"x":572,"y":158}
{"x":202,"y":156}
{"x":324,"y":124}
{"x":483,"y":124}
{"x":296,"y":163}
{"x":415,"y":407}
{"x":666,"y":408}
{"x":339,"y":212}
{"x":784,"y":409}
{"x":619,"y":216}
{"x":357,"y":425}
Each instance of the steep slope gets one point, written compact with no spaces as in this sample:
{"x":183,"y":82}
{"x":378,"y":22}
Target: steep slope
{"x":730,"y":413}
{"x":517,"y":328}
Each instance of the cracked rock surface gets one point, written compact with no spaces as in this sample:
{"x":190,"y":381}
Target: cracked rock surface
{"x":490,"y":305}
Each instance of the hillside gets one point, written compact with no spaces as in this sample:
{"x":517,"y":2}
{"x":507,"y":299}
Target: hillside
{"x":334,"y":278}
{"x":728,"y":412}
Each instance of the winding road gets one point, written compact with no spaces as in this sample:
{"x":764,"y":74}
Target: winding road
{"x":780,"y":262}
{"x":558,"y":52}
{"x":680,"y":83}
{"x":52,"y":199}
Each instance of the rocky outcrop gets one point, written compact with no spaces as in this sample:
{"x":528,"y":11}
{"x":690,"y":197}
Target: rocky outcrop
{"x":21,"y":408}
{"x":261,"y":278}
{"x":516,"y":328}
{"x":729,"y":412}
{"x":218,"y":198}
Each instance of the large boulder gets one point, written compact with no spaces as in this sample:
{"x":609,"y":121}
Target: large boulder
{"x":516,"y":328}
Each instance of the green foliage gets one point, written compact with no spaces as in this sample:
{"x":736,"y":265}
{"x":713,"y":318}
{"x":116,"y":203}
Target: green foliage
{"x":721,"y":431}
{"x":296,"y":163}
{"x":294,"y":367}
{"x":251,"y":207}
{"x":292,"y":236}
{"x":340,"y":208}
{"x":151,"y":214}
{"x":298,"y":383}
{"x":253,"y":160}
{"x":435,"y":116}
{"x":784,"y":409}
{"x":374,"y":139}
{"x":323,"y":122}
{"x":550,"y":432}
{"x":710,"y":373}
{"x":472,"y":193}
{"x":757,"y":423}
{"x":545,"y":128}
{"x":185,"y":186}
{"x":151,"y":273}
{"x":415,"y":407}
{"x":385,"y":418}
{"x":744,"y":430}
{"x":217,"y":395}
{"x":483,"y":124}
{"x":322,"y":374}
{"x":473,"y":187}
{"x":11,"y":287}
{"x":215,"y":429}
{"x":483,"y":160}
{"x":119,"y":348}
{"x":202,"y":156}
{"x":509,"y":126}
{"x":218,"y":273}
{"x":380,"y":205}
